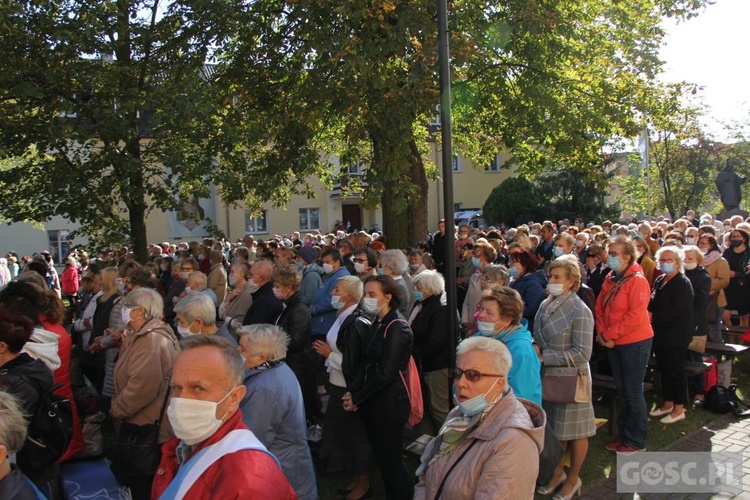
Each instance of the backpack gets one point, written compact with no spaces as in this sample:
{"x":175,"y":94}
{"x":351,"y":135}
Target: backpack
{"x":412,"y":385}
{"x":50,"y":428}
{"x":718,"y":400}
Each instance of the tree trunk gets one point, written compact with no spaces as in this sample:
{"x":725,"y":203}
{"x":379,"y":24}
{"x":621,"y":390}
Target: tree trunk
{"x":139,"y":239}
{"x":417,"y":209}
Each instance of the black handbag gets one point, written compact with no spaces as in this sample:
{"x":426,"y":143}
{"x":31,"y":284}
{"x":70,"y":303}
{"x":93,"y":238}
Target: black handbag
{"x":551,"y":455}
{"x":137,"y":452}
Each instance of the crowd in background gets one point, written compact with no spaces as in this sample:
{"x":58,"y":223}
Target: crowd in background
{"x":327,"y":324}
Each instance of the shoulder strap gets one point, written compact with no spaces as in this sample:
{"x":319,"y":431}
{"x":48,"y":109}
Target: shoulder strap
{"x":442,"y":483}
{"x":616,"y":288}
{"x":189,"y":472}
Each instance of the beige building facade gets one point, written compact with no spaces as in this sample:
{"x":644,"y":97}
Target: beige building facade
{"x":471,"y":186}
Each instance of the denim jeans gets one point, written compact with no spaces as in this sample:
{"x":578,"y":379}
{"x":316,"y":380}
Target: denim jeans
{"x":628,"y":363}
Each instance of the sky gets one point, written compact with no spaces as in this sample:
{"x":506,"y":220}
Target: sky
{"x":713,"y":51}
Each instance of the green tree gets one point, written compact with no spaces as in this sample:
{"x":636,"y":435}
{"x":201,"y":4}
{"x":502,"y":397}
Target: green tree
{"x":110,"y":111}
{"x":514,"y":201}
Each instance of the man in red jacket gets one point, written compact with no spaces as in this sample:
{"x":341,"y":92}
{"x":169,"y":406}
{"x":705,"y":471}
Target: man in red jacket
{"x":214,"y":455}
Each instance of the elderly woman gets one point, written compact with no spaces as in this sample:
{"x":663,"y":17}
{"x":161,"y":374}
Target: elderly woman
{"x":701,"y":283}
{"x":13,"y":484}
{"x":376,"y":390}
{"x":344,"y":440}
{"x":141,"y":378}
{"x":365,"y":262}
{"x":489,"y":447}
{"x":500,"y":317}
{"x":394,"y":264}
{"x":623,"y":327}
{"x":718,"y":270}
{"x":238,"y":301}
{"x":272,"y":407}
{"x":671,"y":311}
{"x":529,"y":281}
{"x":196,"y":314}
{"x":432,"y":341}
{"x":564,"y":334}
{"x":296,"y":322}
{"x":490,"y":276}
{"x":738,"y":291}
{"x":484,"y":255}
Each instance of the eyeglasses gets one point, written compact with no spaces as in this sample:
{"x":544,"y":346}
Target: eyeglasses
{"x":613,"y":254}
{"x":472,"y":375}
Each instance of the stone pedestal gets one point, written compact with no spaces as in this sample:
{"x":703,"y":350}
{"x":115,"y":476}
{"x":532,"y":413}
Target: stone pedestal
{"x":726,"y":214}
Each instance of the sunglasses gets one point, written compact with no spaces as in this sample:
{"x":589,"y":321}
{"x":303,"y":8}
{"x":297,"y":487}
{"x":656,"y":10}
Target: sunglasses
{"x":472,"y":375}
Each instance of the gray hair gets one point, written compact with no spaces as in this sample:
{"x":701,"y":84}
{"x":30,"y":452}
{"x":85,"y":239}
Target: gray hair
{"x":395,"y":260}
{"x":430,"y":281}
{"x":697,"y":254}
{"x":267,"y":339}
{"x":197,"y":305}
{"x":352,"y":285}
{"x":232,"y":358}
{"x":12,"y":423}
{"x":497,"y":273}
{"x":147,"y":298}
{"x":679,"y":255}
{"x":501,"y":358}
{"x":200,"y":279}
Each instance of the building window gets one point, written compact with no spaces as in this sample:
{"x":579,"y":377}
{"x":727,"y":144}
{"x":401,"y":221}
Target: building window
{"x":456,"y":161}
{"x":58,"y":244}
{"x":309,"y":219}
{"x":257,"y":223}
{"x":495,"y":165}
{"x":354,"y":168}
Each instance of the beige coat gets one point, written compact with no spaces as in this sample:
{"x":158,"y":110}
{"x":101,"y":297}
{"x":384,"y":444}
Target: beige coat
{"x":217,"y":281}
{"x":719,"y":273}
{"x":504,"y":463}
{"x":142,"y":373}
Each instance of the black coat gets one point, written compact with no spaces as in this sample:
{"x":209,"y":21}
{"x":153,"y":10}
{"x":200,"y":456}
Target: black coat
{"x":671,"y":307}
{"x":350,"y":341}
{"x":295,"y":320}
{"x":384,"y":357}
{"x":432,"y":343}
{"x":701,"y":282}
{"x":265,"y":307}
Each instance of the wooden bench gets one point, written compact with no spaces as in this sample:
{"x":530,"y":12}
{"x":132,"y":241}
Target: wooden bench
{"x":414,"y":443}
{"x":605,"y":386}
{"x":733,"y":333}
{"x":725,"y":352}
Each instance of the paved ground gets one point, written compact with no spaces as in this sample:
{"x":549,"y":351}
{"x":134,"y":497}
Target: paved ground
{"x":725,"y":434}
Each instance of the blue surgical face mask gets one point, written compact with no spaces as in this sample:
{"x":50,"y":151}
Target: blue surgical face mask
{"x":475,"y":405}
{"x":557,"y":251}
{"x":513,"y":271}
{"x":380,"y":271}
{"x":475,"y":262}
{"x":486,"y":328}
{"x":666,"y":268}
{"x":418,"y":296}
{"x":300,"y":265}
{"x":613,"y":263}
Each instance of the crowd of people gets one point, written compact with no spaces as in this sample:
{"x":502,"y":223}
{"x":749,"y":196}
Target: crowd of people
{"x":229,"y":356}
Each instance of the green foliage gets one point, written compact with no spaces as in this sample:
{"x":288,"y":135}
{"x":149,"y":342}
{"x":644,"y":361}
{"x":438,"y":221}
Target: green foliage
{"x":571,"y":193}
{"x":514,"y":201}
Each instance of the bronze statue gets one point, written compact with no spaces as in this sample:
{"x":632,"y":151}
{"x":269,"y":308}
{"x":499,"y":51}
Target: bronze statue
{"x":728,"y":183}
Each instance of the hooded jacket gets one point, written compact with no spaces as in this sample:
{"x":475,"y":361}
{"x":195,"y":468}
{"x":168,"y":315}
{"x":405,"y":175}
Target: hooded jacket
{"x":503,"y":463}
{"x":312,"y":279}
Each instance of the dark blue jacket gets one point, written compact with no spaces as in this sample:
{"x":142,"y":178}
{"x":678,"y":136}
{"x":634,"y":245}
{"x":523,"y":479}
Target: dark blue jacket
{"x":265,"y":307}
{"x":531,"y":287}
{"x":323,"y":313}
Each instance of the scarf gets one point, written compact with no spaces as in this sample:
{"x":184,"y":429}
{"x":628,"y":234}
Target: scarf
{"x":712,"y":257}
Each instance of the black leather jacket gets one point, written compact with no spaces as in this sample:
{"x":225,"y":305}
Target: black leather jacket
{"x":432,"y":343}
{"x":384,"y":356}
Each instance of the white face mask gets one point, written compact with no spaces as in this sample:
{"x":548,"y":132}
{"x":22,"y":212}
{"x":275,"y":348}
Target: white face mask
{"x":125,"y":314}
{"x":691,"y":266}
{"x":328,"y":268}
{"x":371,"y":305}
{"x":359,"y":267}
{"x":253,"y":286}
{"x":336,"y":302}
{"x":184,"y":275}
{"x":193,"y":420}
{"x":184,"y":331}
{"x":232,"y":280}
{"x":690,"y":240}
{"x":555,"y":289}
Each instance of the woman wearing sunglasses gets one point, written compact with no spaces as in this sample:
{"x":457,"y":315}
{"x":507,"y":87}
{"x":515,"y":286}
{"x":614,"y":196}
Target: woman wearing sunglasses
{"x":490,"y":444}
